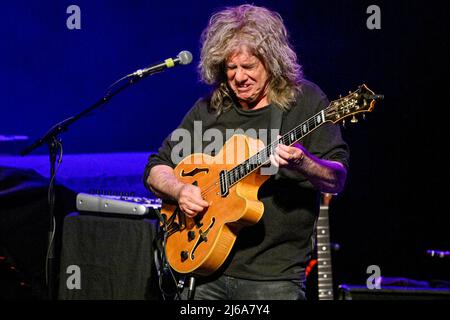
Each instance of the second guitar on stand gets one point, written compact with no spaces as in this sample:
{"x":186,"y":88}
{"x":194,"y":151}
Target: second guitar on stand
{"x":319,"y":271}
{"x":324,"y":265}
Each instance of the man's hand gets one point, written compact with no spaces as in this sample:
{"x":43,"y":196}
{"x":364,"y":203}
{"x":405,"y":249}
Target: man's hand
{"x":190,"y":200}
{"x":288,"y":157}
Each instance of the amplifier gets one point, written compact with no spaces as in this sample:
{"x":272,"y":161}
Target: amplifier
{"x":125,"y":205}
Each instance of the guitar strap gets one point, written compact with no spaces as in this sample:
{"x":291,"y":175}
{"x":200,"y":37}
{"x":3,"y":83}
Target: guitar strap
{"x":276,"y":119}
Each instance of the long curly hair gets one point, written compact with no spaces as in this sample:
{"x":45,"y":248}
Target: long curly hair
{"x":262,"y":31}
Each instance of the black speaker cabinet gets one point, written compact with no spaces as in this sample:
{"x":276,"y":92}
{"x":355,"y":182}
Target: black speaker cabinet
{"x":107,"y":258}
{"x":350,"y":292}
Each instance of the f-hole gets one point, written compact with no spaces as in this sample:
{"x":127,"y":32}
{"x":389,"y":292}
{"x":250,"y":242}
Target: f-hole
{"x":193,"y":172}
{"x":203,"y":237}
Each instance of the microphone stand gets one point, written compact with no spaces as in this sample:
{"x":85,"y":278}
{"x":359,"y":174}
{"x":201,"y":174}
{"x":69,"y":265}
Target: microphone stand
{"x":54,"y":145}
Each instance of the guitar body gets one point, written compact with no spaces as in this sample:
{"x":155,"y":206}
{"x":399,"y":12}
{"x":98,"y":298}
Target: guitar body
{"x":202,"y":244}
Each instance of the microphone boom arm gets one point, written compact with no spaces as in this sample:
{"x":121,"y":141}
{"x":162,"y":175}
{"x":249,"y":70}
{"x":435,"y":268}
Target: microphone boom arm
{"x":183,"y":58}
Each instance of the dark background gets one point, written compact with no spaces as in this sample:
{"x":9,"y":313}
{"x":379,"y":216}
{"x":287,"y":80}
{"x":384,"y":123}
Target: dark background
{"x":394,"y":206}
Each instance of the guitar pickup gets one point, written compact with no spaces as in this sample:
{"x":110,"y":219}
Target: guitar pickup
{"x":224,"y":188}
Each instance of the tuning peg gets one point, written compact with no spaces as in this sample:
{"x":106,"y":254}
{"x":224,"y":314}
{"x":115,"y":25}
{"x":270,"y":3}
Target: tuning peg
{"x":354,"y":120}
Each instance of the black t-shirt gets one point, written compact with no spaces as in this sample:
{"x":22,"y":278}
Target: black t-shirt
{"x":280,"y":244}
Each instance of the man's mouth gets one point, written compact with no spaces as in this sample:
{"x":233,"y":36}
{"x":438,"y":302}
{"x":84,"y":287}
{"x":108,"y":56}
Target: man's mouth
{"x":243,"y":88}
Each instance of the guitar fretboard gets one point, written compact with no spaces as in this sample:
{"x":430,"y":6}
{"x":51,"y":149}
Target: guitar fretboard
{"x":263,"y":156}
{"x":324,"y":267}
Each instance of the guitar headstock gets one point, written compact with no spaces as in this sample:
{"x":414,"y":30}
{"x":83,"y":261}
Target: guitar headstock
{"x":361,"y":101}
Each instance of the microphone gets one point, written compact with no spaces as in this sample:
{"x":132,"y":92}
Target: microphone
{"x":183,"y":58}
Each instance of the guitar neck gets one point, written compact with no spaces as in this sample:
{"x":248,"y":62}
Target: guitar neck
{"x":262,"y":157}
{"x":324,"y":266}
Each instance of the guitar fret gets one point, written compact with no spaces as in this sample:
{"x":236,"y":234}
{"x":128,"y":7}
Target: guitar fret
{"x":308,"y":125}
{"x":320,"y":117}
{"x":228,"y":177}
{"x":325,"y":279}
{"x":258,"y":158}
{"x":321,"y":256}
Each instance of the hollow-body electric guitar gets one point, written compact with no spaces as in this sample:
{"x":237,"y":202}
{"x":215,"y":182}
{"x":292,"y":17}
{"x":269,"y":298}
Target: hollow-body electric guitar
{"x":230,"y":182}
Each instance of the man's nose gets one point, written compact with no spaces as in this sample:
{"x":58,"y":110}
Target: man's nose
{"x":241,"y":75}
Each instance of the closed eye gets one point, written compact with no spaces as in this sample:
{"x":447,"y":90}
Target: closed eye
{"x":249,"y":66}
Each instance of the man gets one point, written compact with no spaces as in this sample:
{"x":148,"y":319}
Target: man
{"x":248,"y":61}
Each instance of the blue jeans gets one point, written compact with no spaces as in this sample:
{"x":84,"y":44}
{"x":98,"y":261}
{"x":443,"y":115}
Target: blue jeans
{"x":230,"y":288}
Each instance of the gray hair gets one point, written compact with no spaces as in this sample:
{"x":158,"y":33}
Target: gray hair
{"x":262,"y":31}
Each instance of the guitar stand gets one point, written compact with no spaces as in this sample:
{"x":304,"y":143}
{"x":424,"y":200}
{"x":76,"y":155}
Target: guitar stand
{"x":191,"y":288}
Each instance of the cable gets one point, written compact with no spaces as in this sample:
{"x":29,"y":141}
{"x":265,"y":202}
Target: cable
{"x":51,"y":201}
{"x":163,"y":267}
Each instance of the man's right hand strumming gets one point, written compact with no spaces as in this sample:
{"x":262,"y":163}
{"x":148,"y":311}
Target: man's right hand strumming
{"x":190,"y":200}
{"x":164,"y":184}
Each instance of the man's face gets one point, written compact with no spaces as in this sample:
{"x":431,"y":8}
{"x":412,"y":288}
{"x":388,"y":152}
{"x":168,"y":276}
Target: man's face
{"x":248,"y":78}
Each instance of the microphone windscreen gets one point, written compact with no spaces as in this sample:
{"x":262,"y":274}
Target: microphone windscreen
{"x":185,"y":57}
